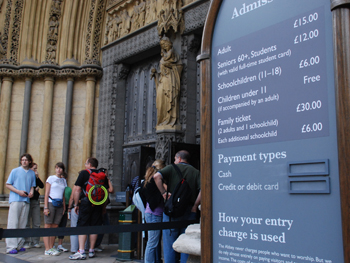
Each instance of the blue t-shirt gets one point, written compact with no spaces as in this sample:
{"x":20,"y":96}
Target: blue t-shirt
{"x":21,"y":180}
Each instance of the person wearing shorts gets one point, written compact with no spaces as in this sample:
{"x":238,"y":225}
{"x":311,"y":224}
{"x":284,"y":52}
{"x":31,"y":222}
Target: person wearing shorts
{"x":54,"y":189}
{"x":64,"y":219}
{"x":89,"y":214}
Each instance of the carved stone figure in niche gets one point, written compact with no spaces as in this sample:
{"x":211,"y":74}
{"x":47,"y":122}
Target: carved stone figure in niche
{"x":135,"y":17}
{"x":168,"y":85}
{"x":148,"y":12}
{"x":51,"y":50}
{"x":154,"y":9}
{"x":108,"y":28}
{"x":142,"y":13}
{"x":53,"y":29}
{"x":56,"y":8}
{"x":151,"y":11}
{"x":114,"y":28}
{"x":125,"y":24}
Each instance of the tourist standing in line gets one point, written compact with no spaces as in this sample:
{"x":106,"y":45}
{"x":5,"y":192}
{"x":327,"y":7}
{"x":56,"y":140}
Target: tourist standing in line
{"x":74,"y":240}
{"x":64,"y":219}
{"x":105,"y":219}
{"x":54,"y":206}
{"x":34,"y":211}
{"x":21,"y":184}
{"x":170,"y":176}
{"x":153,"y":212}
{"x":89,"y":214}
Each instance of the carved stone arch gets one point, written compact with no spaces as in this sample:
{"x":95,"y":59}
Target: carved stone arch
{"x":94,"y":33}
{"x":10,"y":46}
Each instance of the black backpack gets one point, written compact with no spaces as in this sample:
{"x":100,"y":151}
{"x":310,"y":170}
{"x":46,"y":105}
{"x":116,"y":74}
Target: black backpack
{"x":180,"y":199}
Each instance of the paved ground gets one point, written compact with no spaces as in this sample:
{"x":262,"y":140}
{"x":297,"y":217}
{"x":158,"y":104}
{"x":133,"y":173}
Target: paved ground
{"x":108,"y":255}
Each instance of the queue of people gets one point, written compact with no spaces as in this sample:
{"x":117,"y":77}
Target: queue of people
{"x":61,"y":202}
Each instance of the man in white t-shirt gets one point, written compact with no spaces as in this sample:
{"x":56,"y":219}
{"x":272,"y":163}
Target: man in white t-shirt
{"x":21,"y":184}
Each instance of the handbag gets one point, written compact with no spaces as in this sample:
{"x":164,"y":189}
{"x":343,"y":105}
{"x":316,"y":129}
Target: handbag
{"x":138,"y":198}
{"x":56,"y":202}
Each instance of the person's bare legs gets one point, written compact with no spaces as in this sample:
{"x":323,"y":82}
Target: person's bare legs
{"x":52,"y":239}
{"x":82,"y":240}
{"x":93,"y":239}
{"x":47,"y":239}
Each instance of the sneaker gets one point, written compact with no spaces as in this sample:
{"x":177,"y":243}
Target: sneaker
{"x":56,"y":250}
{"x":27,"y":245}
{"x":78,"y":255}
{"x":92,"y":254}
{"x":52,"y":252}
{"x":13,"y":251}
{"x":37,"y":245}
{"x":61,"y":248}
{"x":98,"y":249}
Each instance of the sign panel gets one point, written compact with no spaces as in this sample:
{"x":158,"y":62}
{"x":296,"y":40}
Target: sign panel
{"x":275,"y":165}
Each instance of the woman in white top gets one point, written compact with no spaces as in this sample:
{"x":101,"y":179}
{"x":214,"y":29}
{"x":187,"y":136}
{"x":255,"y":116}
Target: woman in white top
{"x":54,"y":190}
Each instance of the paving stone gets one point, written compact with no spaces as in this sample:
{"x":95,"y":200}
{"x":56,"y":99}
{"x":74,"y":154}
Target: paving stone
{"x":108,"y":255}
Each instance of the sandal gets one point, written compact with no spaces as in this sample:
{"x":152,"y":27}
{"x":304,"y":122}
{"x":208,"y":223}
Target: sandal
{"x":13,"y":251}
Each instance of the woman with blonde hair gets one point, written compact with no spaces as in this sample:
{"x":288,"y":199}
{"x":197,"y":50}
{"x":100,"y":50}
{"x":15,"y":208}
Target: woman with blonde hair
{"x":154,"y":211}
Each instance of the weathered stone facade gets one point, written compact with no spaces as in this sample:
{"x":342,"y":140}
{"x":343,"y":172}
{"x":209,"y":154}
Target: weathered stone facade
{"x":75,"y":82}
{"x":131,"y":58}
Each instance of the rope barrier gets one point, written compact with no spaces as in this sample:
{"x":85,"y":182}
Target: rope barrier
{"x":87,"y":230}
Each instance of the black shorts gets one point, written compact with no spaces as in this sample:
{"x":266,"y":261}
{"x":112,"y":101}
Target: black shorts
{"x":89,"y":214}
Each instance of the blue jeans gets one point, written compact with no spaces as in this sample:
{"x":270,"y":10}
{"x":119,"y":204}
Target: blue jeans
{"x":153,"y":239}
{"x":74,"y":241}
{"x":170,"y":236}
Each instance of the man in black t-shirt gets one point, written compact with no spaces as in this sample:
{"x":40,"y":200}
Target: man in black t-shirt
{"x":89,"y":214}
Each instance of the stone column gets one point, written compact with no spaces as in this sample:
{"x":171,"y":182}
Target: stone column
{"x":5,"y":107}
{"x":89,"y":117}
{"x":67,"y":122}
{"x":46,"y":127}
{"x":25,"y":116}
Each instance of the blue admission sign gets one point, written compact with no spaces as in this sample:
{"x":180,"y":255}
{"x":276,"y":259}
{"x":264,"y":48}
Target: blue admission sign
{"x":275,"y":159}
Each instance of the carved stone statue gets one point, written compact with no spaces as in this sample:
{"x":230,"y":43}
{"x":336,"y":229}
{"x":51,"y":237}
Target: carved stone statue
{"x":108,"y":29}
{"x":142,"y":13}
{"x":151,"y":11}
{"x":168,"y":86}
{"x":125,"y":24}
{"x":135,"y":17}
{"x":51,"y":51}
{"x":53,"y":29}
{"x":114,"y":27}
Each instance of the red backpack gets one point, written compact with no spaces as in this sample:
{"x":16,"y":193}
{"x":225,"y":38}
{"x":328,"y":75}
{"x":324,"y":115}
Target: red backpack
{"x":95,"y":190}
